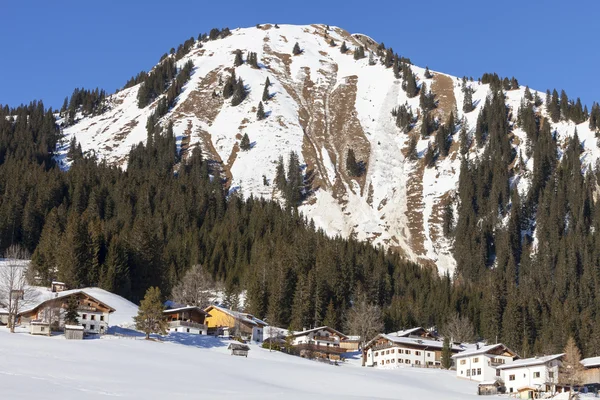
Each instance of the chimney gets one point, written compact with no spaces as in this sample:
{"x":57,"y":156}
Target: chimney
{"x":477,"y":344}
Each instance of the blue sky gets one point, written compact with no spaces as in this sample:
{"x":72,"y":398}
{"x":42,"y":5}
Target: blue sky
{"x":51,"y":47}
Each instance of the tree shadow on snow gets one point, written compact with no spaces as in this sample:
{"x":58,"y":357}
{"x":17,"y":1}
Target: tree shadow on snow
{"x":200,"y":341}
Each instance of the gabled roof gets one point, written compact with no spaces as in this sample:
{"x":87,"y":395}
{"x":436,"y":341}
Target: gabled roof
{"x":429,"y":343}
{"x":308,"y":331}
{"x":408,"y":332}
{"x":188,"y":308}
{"x":527,"y":362}
{"x":244,"y":317}
{"x":62,"y":295}
{"x":591,"y":362}
{"x":483,"y":350}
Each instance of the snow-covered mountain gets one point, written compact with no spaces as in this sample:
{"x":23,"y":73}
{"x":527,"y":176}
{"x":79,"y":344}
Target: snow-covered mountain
{"x":323,"y":103}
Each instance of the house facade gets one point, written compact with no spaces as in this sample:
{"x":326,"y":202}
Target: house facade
{"x":321,"y":342}
{"x":479,"y":364}
{"x":223,"y":321}
{"x":187,"y":320}
{"x":92,"y":313}
{"x":388,"y":350}
{"x":531,"y":375}
{"x":591,"y":374}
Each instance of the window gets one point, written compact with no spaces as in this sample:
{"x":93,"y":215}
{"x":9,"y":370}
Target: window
{"x":393,"y":351}
{"x":84,"y":316}
{"x":401,"y":351}
{"x":399,"y":361}
{"x":43,"y":329}
{"x":536,"y":374}
{"x":550,"y":374}
{"x":497,"y":372}
{"x":407,"y":351}
{"x":84,"y":326}
{"x":468,"y":372}
{"x":463,"y":362}
{"x":382,"y":362}
{"x":511,"y":377}
{"x":475,"y":360}
{"x":102,"y":318}
{"x":93,"y":317}
{"x":417,"y":362}
{"x":473,"y":372}
{"x":387,"y":352}
{"x":417,"y":353}
{"x":407,"y":361}
{"x":387,"y":361}
{"x":393,"y":360}
{"x":92,"y":327}
{"x":428,"y":354}
{"x":187,"y":330}
{"x":478,"y":371}
{"x":376,"y":354}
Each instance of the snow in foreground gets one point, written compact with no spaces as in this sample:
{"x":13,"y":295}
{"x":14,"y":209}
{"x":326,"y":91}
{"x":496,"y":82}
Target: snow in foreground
{"x":197,"y":367}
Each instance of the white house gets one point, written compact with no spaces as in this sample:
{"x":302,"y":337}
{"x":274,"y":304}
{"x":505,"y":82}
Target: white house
{"x":322,"y":342}
{"x":479,"y":364}
{"x":389,"y":350}
{"x":536,"y":374}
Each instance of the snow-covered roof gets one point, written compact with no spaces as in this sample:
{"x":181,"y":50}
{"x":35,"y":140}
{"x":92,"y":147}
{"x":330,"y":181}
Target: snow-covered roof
{"x":482,"y":350}
{"x":488,"y":383}
{"x":527,"y":362}
{"x":74,"y":327}
{"x":244,"y":317}
{"x":327,"y":328}
{"x":406,"y":332}
{"x":44,"y":296}
{"x":352,"y":338}
{"x":58,"y":283}
{"x":591,"y":362}
{"x":437,"y":344}
{"x":188,"y":308}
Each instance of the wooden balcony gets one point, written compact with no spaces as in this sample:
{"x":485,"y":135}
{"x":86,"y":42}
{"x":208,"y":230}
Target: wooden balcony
{"x":187,"y":324}
{"x":320,"y":348}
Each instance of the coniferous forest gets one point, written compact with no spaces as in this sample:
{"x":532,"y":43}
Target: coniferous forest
{"x":128,"y":230}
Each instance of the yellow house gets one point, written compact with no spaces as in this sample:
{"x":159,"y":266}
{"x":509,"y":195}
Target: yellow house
{"x":221,"y":320}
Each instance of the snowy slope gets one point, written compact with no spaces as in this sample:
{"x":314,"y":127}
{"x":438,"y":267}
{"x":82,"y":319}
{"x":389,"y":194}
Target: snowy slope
{"x":323,"y":103}
{"x":53,"y":368}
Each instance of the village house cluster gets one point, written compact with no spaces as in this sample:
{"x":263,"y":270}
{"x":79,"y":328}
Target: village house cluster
{"x":495,"y":367}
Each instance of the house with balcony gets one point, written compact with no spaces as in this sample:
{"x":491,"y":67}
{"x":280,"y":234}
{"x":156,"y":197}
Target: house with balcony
{"x":531,"y":376}
{"x":390,"y":351}
{"x":187,"y":320}
{"x":93,"y":314}
{"x":322,"y":342}
{"x":223,"y":321}
{"x":479,"y":363}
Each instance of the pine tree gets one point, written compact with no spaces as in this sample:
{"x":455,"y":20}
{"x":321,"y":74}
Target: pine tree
{"x":428,"y":74}
{"x":343,"y":48}
{"x":260,"y":113}
{"x":359,"y":52}
{"x":239,"y":93}
{"x":150,"y":317}
{"x":352,"y":165}
{"x":410,"y":83}
{"x":296,"y":51}
{"x":71,"y":314}
{"x":412,"y":148}
{"x":265,"y":95}
{"x":554,"y":107}
{"x":468,"y":100}
{"x":446,"y":354}
{"x":332,"y":43}
{"x":238,"y":58}
{"x":245,"y":143}
{"x":280,"y":179}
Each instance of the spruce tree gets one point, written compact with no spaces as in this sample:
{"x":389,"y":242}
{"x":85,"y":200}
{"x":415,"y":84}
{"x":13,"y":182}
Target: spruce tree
{"x":468,"y":100}
{"x":71,"y":314}
{"x":150,"y":317}
{"x":239,"y":93}
{"x":352,"y":165}
{"x":245,"y":143}
{"x":238,"y":58}
{"x":260,"y":113}
{"x":343,"y":48}
{"x":332,"y":43}
{"x":265,"y":94}
{"x":428,"y":74}
{"x":296,"y":50}
{"x":446,"y":354}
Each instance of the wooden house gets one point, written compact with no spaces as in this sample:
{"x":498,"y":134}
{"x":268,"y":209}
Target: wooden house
{"x":321,"y":342}
{"x":388,"y":350}
{"x":489,"y":388}
{"x":223,"y":321}
{"x":57,"y":287}
{"x":74,"y":332}
{"x":187,"y":320}
{"x":591,"y":374}
{"x":351,"y":343}
{"x":93,"y":313}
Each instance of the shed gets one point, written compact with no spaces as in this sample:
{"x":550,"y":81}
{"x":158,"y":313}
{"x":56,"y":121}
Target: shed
{"x":487,"y":388}
{"x":239,"y":349}
{"x":39,"y":328}
{"x":74,"y":332}
{"x":529,"y":392}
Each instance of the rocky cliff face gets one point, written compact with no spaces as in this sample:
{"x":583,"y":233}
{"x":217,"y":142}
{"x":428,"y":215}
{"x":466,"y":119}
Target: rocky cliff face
{"x":322,"y":103}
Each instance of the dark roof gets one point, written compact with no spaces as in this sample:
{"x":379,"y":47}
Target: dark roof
{"x":188,"y":308}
